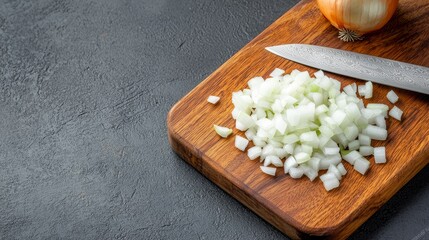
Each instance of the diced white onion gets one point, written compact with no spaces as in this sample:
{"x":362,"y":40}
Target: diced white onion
{"x":289,"y":148}
{"x":380,"y":121}
{"x":277,"y":72}
{"x":290,"y":163}
{"x":366,"y":150}
{"x":361,"y":90}
{"x":310,"y":173}
{"x":331,"y":184}
{"x":274,"y":160}
{"x":335,"y":171}
{"x":222,"y":131}
{"x":250,"y":134}
{"x":364,"y":140}
{"x":280,"y":152}
{"x":354,"y":87}
{"x":342,"y":169}
{"x":296,"y":172}
{"x":241,"y":142}
{"x":351,"y":132}
{"x":376,"y":133}
{"x":213,"y":99}
{"x":269,"y":170}
{"x":267,"y":150}
{"x":245,"y":119}
{"x":254,"y":152}
{"x":327,"y":176}
{"x":392,"y":97}
{"x":368,"y":90}
{"x":352,"y":156}
{"x":311,"y":122}
{"x":396,"y":113}
{"x":240,"y":126}
{"x":354,"y":145}
{"x":349,"y":90}
{"x":380,"y":154}
{"x":258,"y":141}
{"x":314,"y":163}
{"x":255,"y":82}
{"x":319,"y":74}
{"x":235,"y":113}
{"x":361,"y":165}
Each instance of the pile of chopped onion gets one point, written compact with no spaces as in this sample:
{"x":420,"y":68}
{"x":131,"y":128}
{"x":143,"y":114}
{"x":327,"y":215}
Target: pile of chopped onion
{"x":304,"y":125}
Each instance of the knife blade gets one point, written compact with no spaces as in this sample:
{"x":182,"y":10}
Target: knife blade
{"x":361,"y":66}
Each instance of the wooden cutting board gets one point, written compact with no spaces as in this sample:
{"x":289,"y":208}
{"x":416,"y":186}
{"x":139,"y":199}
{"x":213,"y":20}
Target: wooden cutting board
{"x":301,"y":208}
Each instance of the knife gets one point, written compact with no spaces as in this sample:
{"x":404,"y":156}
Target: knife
{"x":361,"y":66}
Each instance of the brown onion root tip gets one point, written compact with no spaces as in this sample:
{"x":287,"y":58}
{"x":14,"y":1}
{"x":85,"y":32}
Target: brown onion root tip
{"x":348,"y":35}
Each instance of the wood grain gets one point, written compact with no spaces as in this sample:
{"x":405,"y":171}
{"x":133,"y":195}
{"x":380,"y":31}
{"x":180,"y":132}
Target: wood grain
{"x":301,"y":208}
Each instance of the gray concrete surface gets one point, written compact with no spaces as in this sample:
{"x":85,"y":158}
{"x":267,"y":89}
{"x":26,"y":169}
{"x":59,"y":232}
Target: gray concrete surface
{"x":85,"y":87}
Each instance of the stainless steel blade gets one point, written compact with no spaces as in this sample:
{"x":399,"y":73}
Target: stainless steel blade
{"x":384,"y":71}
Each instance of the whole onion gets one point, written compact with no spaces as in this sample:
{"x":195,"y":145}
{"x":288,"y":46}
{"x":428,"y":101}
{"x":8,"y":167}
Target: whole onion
{"x":356,"y":17}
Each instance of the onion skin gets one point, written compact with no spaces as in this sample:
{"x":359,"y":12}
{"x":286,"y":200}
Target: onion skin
{"x":357,"y":17}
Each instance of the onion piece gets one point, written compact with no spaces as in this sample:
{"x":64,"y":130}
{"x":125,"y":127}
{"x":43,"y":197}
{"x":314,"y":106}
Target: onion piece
{"x":354,"y":145}
{"x":222,"y":131}
{"x":361,"y":165}
{"x":280,"y":152}
{"x":327,"y":176}
{"x":288,"y":139}
{"x":277,"y":72}
{"x":269,"y":170}
{"x":255,"y":82}
{"x":241,"y":143}
{"x":352,"y":156}
{"x":314,"y":163}
{"x":361,"y":90}
{"x":331,"y":184}
{"x":335,"y":171}
{"x":354,"y":87}
{"x":351,"y":132}
{"x":342,"y":169}
{"x":376,"y":133}
{"x":310,"y":173}
{"x":267,"y":150}
{"x":396,"y":113}
{"x":258,"y":141}
{"x":392,"y":97}
{"x":290,"y":163}
{"x":328,"y":160}
{"x":368,"y":89}
{"x":245,"y":119}
{"x":274,"y":160}
{"x":250,"y":134}
{"x":364,"y":140}
{"x":366,"y":150}
{"x":296,"y":172}
{"x":302,"y":157}
{"x":254,"y":152}
{"x":289,"y":148}
{"x":349,"y":90}
{"x":380,"y":154}
{"x":319,"y":74}
{"x":213,"y":99}
{"x":380,"y":121}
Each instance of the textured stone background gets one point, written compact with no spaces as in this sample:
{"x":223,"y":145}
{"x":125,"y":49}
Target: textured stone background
{"x":85,"y":87}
